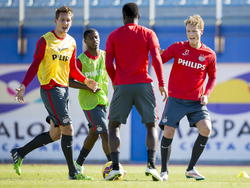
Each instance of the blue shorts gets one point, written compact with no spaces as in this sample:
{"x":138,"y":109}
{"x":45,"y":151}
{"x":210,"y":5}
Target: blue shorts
{"x":97,"y":118}
{"x":56,"y":101}
{"x":126,"y":96}
{"x":175,"y":109}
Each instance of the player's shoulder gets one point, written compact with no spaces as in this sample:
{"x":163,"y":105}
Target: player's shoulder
{"x":208,"y":49}
{"x":115,"y":31}
{"x":145,"y":29}
{"x":47,"y":35}
{"x":179,"y":44}
{"x":70,"y":37}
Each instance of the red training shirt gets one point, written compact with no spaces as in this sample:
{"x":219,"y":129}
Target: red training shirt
{"x":189,"y":71}
{"x":130,"y":45}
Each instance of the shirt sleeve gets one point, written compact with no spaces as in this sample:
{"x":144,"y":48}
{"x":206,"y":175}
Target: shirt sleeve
{"x":211,"y":76}
{"x":154,"y":48}
{"x":79,"y":64}
{"x":168,"y":53}
{"x":38,"y":57}
{"x":74,"y":71}
{"x":110,"y":54}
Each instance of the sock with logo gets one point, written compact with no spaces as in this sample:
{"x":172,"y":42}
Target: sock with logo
{"x":82,"y":156}
{"x":40,"y":140}
{"x":66,"y":144}
{"x":198,"y":148}
{"x":165,"y":153}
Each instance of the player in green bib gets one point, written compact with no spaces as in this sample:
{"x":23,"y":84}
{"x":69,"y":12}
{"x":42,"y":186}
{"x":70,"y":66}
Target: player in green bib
{"x":94,"y":104}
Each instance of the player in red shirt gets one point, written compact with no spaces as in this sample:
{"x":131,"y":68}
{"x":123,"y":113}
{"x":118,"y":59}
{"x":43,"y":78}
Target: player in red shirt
{"x":54,"y":62}
{"x":129,"y":46}
{"x":193,"y":61}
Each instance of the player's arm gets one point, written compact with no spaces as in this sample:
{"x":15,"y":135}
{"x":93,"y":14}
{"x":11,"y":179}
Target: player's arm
{"x":110,"y":67}
{"x":157,"y":63}
{"x":32,"y":71}
{"x":75,"y":84}
{"x":77,"y":75}
{"x":168,"y":53}
{"x":211,"y":71}
{"x":78,"y":85}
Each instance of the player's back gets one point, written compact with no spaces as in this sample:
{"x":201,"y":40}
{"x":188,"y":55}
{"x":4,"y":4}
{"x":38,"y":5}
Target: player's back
{"x":131,"y":47}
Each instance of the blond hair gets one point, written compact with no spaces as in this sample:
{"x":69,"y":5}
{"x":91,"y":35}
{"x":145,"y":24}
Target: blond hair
{"x":195,"y":20}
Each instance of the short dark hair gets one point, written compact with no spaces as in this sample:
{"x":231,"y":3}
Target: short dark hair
{"x":130,"y":10}
{"x":88,"y":31}
{"x":63,"y":9}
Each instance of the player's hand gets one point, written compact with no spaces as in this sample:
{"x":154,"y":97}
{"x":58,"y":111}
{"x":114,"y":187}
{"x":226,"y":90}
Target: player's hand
{"x":20,"y":93}
{"x":204,"y":100}
{"x":91,"y":84}
{"x":164,"y":93}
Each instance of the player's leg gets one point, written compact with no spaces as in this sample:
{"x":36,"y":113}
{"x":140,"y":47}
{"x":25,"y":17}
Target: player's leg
{"x":172,"y":114}
{"x":204,"y":127}
{"x":114,"y":144}
{"x":145,"y":104}
{"x":66,"y":145}
{"x":201,"y":120}
{"x":40,"y":140}
{"x":120,"y":107}
{"x":97,"y":126}
{"x":151,"y":143}
{"x":166,"y":142}
{"x":105,"y":145}
{"x":19,"y":153}
{"x":103,"y":130}
{"x":56,"y":102}
{"x":88,"y":144}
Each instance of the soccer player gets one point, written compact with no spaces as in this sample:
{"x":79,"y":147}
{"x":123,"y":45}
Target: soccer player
{"x":54,"y":62}
{"x":129,"y":46}
{"x":193,"y":61}
{"x":93,"y":104}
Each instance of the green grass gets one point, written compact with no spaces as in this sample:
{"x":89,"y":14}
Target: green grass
{"x":55,"y":176}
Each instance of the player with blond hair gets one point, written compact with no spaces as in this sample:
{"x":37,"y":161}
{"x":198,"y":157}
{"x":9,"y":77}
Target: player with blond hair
{"x":193,"y":62}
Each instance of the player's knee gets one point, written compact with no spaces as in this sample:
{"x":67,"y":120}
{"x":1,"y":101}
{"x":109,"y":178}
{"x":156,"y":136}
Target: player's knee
{"x":67,"y":130}
{"x":168,"y":132}
{"x":206,"y":131}
{"x":56,"y":136}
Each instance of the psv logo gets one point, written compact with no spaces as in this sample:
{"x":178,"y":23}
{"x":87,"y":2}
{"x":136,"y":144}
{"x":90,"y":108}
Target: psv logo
{"x":60,"y":57}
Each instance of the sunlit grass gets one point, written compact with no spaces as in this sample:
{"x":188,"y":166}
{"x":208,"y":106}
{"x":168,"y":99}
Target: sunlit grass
{"x":53,"y":176}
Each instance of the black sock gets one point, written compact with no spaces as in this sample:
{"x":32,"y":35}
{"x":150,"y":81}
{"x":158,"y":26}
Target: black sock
{"x":151,"y":158}
{"x":66,"y":144}
{"x":115,"y":160}
{"x":198,"y":148}
{"x":82,"y":156}
{"x":40,"y":140}
{"x":108,"y":157}
{"x":165,"y":153}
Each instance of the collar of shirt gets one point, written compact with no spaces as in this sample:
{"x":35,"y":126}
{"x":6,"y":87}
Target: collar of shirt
{"x":90,"y":56}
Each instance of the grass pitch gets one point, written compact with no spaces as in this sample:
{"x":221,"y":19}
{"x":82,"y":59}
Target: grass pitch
{"x":55,"y":176}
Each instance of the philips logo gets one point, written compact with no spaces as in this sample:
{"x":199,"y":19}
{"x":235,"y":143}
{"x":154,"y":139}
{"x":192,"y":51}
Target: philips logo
{"x":60,"y":57}
{"x":191,"y":64}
